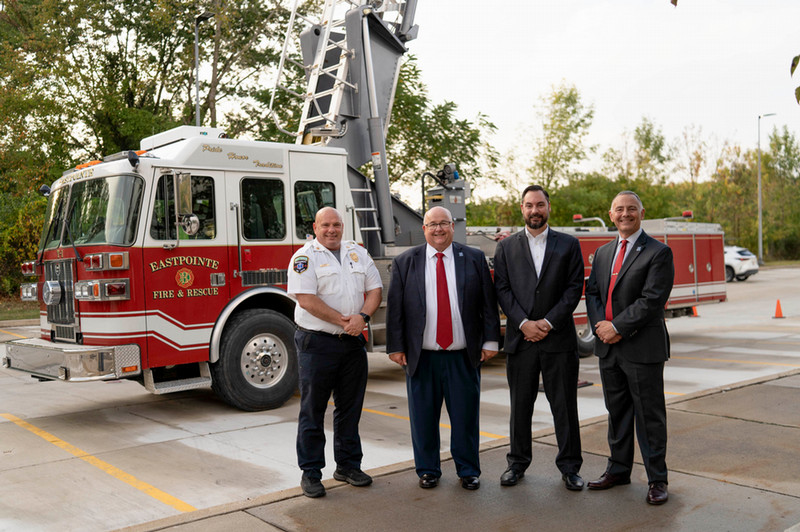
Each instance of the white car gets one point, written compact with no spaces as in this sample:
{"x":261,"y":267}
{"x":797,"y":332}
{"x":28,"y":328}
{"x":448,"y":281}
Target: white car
{"x":739,"y":263}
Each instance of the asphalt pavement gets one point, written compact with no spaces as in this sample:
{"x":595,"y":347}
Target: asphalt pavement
{"x":732,"y":455}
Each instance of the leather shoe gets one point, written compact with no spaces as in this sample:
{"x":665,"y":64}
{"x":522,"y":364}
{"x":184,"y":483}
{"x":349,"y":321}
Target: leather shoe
{"x":608,"y":480}
{"x":572,"y":481}
{"x":657,"y":494}
{"x":470,"y":483}
{"x":428,"y":480}
{"x":510,"y":477}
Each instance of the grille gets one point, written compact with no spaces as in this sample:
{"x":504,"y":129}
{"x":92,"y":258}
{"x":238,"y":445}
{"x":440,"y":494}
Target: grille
{"x":263,"y":277}
{"x":63,"y":313}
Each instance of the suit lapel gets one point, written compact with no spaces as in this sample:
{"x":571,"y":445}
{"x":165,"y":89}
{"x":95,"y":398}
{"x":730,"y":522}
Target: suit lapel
{"x":525,"y":249}
{"x":460,"y":264}
{"x":638,"y":247}
{"x":419,"y":273}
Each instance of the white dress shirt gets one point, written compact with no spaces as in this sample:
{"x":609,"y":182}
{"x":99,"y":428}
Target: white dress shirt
{"x":537,"y":245}
{"x":431,"y":314}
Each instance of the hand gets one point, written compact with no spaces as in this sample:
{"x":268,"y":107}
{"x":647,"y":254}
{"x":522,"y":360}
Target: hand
{"x":398,"y":358}
{"x":606,"y":333}
{"x":535,"y":331}
{"x":487,"y":355}
{"x":353,"y":324}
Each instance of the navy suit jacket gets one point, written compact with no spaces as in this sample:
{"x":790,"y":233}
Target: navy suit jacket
{"x":406,"y":308}
{"x":642,"y":289}
{"x":553,"y":294}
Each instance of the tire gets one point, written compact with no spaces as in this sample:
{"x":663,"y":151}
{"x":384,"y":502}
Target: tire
{"x":585,"y":338}
{"x":257,"y":366}
{"x":741,"y":277}
{"x":728,"y":274}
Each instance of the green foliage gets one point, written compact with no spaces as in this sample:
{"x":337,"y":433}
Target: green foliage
{"x":21,"y":220}
{"x":424,"y":136}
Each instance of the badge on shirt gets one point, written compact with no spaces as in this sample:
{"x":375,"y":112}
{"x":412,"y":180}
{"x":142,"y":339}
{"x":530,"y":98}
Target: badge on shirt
{"x":300,"y":264}
{"x":353,"y":256}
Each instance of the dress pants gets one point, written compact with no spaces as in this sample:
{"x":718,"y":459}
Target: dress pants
{"x":445,"y":376}
{"x":330,"y":365}
{"x":559,"y":373}
{"x":634,"y":396}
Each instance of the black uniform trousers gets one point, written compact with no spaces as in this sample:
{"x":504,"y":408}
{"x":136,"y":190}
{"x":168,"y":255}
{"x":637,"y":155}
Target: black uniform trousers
{"x":634,"y":396}
{"x":559,"y":373}
{"x":335,"y":365}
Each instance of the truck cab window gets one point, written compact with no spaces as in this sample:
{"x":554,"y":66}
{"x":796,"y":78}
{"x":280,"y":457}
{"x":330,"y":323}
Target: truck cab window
{"x":309,"y":197}
{"x":263,"y":209}
{"x":162,"y":224}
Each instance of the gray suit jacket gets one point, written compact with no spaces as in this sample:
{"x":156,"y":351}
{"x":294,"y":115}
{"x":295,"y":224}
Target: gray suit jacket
{"x":406,"y":308}
{"x":642,"y":289}
{"x":553,"y":294}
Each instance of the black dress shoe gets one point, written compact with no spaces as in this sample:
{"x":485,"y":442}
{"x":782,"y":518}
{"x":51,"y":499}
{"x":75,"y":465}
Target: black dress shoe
{"x":428,"y":480}
{"x":657,"y":494}
{"x":470,"y":483}
{"x":608,"y":480}
{"x":510,"y":477}
{"x":572,"y":481}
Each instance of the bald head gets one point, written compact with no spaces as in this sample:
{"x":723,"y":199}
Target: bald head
{"x":329,"y":227}
{"x":438,"y":228}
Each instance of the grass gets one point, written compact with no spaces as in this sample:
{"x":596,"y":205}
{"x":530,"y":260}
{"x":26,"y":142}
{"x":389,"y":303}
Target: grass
{"x":12,"y":308}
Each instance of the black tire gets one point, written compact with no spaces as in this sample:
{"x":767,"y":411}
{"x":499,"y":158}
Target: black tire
{"x":257,"y":366}
{"x":741,"y":277}
{"x":585,"y":338}
{"x":728,"y":274}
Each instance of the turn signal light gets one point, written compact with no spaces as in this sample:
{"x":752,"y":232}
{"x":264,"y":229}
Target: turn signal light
{"x":102,"y":290}
{"x":106,"y":261}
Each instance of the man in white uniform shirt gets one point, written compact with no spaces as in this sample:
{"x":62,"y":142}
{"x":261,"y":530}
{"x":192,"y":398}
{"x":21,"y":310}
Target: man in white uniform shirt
{"x":337,"y":288}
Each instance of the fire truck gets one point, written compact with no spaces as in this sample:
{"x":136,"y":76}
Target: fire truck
{"x":168,"y":264}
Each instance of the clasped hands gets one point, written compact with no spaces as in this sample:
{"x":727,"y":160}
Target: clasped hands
{"x":352,"y":324}
{"x":535,"y":330}
{"x":606,"y":332}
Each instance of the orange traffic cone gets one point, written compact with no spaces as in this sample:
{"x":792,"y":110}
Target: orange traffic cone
{"x":778,"y":312}
{"x":694,"y":313}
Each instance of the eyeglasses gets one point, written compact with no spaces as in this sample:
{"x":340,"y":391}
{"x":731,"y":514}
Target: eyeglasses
{"x":441,"y":225}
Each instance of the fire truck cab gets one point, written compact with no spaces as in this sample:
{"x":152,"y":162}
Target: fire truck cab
{"x":167,"y":265}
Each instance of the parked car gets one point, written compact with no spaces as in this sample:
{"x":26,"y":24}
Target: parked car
{"x":739,"y":263}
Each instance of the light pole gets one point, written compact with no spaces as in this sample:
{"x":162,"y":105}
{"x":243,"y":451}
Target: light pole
{"x":200,"y":18}
{"x":760,"y":237}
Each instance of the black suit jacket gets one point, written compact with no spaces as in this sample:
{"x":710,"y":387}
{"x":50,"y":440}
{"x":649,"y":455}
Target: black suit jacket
{"x":552,"y":295}
{"x":406,"y":308}
{"x":642,"y":289}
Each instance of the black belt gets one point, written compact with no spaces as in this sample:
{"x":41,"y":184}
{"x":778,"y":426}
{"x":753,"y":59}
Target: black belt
{"x":436,"y":351}
{"x":340,"y":336}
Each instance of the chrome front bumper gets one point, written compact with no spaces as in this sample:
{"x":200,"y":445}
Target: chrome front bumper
{"x":71,"y":362}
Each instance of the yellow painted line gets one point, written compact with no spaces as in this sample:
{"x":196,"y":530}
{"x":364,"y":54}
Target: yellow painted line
{"x":12,"y":334}
{"x":117,"y":473}
{"x":754,"y":362}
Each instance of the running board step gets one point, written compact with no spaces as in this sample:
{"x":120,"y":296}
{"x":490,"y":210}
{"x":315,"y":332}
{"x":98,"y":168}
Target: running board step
{"x":178,"y":385}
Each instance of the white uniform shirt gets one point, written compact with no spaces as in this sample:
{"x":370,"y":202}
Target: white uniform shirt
{"x":313,"y":269}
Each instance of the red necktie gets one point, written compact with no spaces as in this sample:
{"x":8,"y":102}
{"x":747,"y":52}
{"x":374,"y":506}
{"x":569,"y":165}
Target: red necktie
{"x":444,"y":320}
{"x":614,"y":272}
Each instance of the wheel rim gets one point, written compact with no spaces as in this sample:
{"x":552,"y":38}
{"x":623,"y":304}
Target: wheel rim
{"x":264,"y":360}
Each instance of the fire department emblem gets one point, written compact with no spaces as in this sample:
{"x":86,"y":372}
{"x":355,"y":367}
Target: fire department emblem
{"x":300,"y":264}
{"x":184,"y":277}
{"x":353,"y":256}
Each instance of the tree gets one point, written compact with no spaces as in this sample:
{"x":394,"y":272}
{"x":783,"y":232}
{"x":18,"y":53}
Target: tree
{"x":424,"y":136}
{"x":781,"y":190}
{"x":565,"y":125}
{"x":643,"y":159}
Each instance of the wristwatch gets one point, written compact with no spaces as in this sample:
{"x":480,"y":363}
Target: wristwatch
{"x":365,"y":316}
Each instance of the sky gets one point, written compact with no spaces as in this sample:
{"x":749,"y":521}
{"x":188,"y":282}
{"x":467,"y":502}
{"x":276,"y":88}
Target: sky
{"x":712,"y":64}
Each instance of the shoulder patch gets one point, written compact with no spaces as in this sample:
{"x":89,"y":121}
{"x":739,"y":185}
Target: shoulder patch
{"x":300,"y":263}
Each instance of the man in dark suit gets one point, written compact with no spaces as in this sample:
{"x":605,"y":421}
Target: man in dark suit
{"x":538,"y":275}
{"x":441,"y":323}
{"x":626,"y":292}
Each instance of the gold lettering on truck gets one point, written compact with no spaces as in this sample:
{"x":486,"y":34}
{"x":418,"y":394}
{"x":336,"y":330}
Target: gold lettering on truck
{"x":174,"y":262}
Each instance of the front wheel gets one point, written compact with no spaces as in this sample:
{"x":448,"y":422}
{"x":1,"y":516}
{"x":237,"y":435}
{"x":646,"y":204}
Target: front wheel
{"x":728,"y":274}
{"x":257,"y":366}
{"x":741,"y":277}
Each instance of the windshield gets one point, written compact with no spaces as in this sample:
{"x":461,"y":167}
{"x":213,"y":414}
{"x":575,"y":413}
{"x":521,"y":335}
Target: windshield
{"x":99,"y":211}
